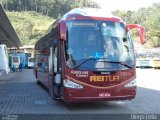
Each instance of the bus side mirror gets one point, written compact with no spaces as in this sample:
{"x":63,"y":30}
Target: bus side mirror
{"x":140,"y":31}
{"x":62,"y":30}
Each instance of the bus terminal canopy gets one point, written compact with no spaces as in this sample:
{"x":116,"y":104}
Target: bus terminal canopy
{"x":8,"y":35}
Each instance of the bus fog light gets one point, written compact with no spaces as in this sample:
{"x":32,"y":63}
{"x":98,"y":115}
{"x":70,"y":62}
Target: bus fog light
{"x":131,"y":84}
{"x":70,"y":84}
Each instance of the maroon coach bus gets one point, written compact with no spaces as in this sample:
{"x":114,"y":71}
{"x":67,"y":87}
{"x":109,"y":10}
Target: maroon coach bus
{"x":88,"y":56}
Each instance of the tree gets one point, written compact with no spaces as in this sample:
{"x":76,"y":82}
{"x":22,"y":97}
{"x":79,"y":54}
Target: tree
{"x":147,"y":17}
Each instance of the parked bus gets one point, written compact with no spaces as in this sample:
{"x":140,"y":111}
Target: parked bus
{"x":156,"y":59}
{"x":88,"y":56}
{"x":4,"y":62}
{"x":31,"y":61}
{"x":144,"y":60}
{"x":14,"y":61}
{"x":24,"y":57}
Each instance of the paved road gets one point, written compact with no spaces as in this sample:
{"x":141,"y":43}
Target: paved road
{"x":19,"y":94}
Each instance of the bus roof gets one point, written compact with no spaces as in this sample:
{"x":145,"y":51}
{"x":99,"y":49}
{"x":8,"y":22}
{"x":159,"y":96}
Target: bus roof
{"x":77,"y":13}
{"x":2,"y":45}
{"x":90,"y":13}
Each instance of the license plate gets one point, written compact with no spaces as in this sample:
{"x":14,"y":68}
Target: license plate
{"x":104,"y":94}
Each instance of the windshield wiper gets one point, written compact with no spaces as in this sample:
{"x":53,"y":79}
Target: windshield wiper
{"x":121,"y":63}
{"x":85,"y":60}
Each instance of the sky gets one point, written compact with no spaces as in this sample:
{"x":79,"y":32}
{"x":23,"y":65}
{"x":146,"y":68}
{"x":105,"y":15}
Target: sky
{"x":111,"y":5}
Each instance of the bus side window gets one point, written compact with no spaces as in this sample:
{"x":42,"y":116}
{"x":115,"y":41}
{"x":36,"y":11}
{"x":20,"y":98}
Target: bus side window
{"x":38,"y":62}
{"x":55,"y":60}
{"x":50,"y":61}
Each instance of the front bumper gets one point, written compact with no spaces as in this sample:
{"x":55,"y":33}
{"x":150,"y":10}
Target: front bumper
{"x":88,"y":94}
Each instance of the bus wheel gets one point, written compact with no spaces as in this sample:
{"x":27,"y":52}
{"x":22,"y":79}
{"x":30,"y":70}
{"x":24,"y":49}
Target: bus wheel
{"x":38,"y":82}
{"x":56,"y":98}
{"x":36,"y":74}
{"x":56,"y":92}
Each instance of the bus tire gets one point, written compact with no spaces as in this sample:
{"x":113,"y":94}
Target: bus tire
{"x":56,"y":92}
{"x":36,"y":74}
{"x":38,"y":82}
{"x":55,"y":98}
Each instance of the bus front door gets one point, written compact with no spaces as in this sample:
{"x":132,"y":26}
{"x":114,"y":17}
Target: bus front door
{"x":53,"y":74}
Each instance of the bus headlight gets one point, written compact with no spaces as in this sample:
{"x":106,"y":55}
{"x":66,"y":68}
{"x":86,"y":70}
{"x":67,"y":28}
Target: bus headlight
{"x":131,"y":84}
{"x":70,"y":84}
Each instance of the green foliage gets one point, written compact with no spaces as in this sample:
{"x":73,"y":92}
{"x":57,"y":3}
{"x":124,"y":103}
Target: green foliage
{"x":147,"y":17}
{"x":30,"y":26}
{"x":53,"y":8}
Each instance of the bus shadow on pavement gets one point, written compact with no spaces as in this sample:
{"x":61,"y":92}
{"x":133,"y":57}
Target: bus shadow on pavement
{"x":143,"y":103}
{"x":33,"y":97}
{"x":95,"y":107}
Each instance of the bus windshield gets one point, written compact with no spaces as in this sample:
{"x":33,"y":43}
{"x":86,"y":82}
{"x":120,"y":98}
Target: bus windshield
{"x":31,"y":59}
{"x":144,"y":55}
{"x":103,"y":44}
{"x":15,"y":59}
{"x":156,"y":55}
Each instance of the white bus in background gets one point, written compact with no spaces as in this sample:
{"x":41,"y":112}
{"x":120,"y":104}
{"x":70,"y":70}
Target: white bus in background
{"x":144,"y":60}
{"x":4,"y":62}
{"x":156,"y":59}
{"x":14,"y":61}
{"x":31,"y":61}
